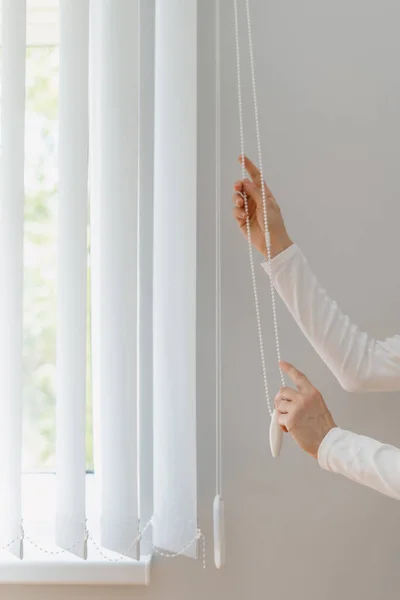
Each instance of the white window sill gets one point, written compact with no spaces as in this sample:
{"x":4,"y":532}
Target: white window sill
{"x":69,"y":570}
{"x":39,"y":568}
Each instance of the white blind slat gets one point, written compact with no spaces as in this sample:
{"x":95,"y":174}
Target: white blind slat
{"x":96,"y":14}
{"x":145,"y":309}
{"x":174,"y":316}
{"x":11,"y":268}
{"x":117,"y":284}
{"x":72,"y":275}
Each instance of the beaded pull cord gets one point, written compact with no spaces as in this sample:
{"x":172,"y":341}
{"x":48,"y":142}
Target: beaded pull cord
{"x":276,"y":434}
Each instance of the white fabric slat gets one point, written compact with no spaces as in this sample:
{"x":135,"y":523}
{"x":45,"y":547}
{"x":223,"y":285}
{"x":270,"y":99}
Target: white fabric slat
{"x":72,"y":276}
{"x":174,"y":324}
{"x":145,"y":309}
{"x":95,"y":41}
{"x":11,"y":269}
{"x":117,"y":286}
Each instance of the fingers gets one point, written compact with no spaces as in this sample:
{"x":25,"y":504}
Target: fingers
{"x":286,"y":399}
{"x":283,"y":420}
{"x":245,"y":186}
{"x":285,"y":404}
{"x":288,"y":393}
{"x":252,"y":192}
{"x":239,"y":212}
{"x":254,"y":173}
{"x":247,"y":193}
{"x":238,"y":186}
{"x":298,"y":378}
{"x":240,"y":215}
{"x":252,"y":170}
{"x":238,"y":199}
{"x":282,"y":405}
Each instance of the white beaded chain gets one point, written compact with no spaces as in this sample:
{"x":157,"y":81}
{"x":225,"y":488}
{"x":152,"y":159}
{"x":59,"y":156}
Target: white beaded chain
{"x":199,"y":537}
{"x":264,"y":202}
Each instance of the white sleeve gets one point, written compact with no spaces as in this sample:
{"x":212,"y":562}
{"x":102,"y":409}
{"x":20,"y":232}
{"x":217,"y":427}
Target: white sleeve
{"x":363,"y":460}
{"x":357,"y":360}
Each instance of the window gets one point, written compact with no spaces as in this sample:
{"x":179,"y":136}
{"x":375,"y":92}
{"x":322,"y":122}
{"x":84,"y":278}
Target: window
{"x":74,"y":199}
{"x":42,"y":227}
{"x":40,"y":244}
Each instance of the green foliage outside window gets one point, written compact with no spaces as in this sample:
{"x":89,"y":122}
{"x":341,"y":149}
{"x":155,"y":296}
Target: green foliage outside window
{"x":40,"y":266}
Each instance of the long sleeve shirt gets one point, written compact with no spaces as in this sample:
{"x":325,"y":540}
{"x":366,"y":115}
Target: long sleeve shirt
{"x":359,"y":363}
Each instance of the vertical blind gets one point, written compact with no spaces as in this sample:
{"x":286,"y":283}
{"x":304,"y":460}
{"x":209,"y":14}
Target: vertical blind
{"x":11,"y":269}
{"x":72,"y":274}
{"x":117,"y":285}
{"x":145,"y":263}
{"x":175,"y":244}
{"x":142,"y":286}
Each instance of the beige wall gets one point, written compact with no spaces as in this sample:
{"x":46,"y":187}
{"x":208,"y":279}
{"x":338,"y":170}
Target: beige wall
{"x":329,"y":90}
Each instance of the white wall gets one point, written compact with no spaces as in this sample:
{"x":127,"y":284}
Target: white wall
{"x":329,"y":90}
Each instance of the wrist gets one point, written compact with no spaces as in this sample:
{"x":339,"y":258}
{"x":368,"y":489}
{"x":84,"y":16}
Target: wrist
{"x":325,"y":431}
{"x":278,"y":245}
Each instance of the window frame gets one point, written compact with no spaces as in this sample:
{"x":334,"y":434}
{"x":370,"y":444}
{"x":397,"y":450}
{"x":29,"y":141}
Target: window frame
{"x":42,"y":27}
{"x":62,"y":568}
{"x":46,"y":563}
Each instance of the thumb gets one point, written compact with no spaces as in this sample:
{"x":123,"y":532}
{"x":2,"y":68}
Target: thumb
{"x":298,"y":378}
{"x":251,"y":169}
{"x":252,"y":192}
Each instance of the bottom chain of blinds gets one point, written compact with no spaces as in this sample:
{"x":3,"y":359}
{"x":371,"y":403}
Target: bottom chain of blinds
{"x":199,"y":538}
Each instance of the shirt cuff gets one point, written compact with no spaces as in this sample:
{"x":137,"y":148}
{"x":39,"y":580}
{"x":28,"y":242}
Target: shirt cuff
{"x":280,"y":259}
{"x":326,"y":447}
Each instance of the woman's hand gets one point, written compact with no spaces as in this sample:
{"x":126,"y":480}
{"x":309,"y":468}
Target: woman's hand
{"x":278,"y":234}
{"x":303,"y":412}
